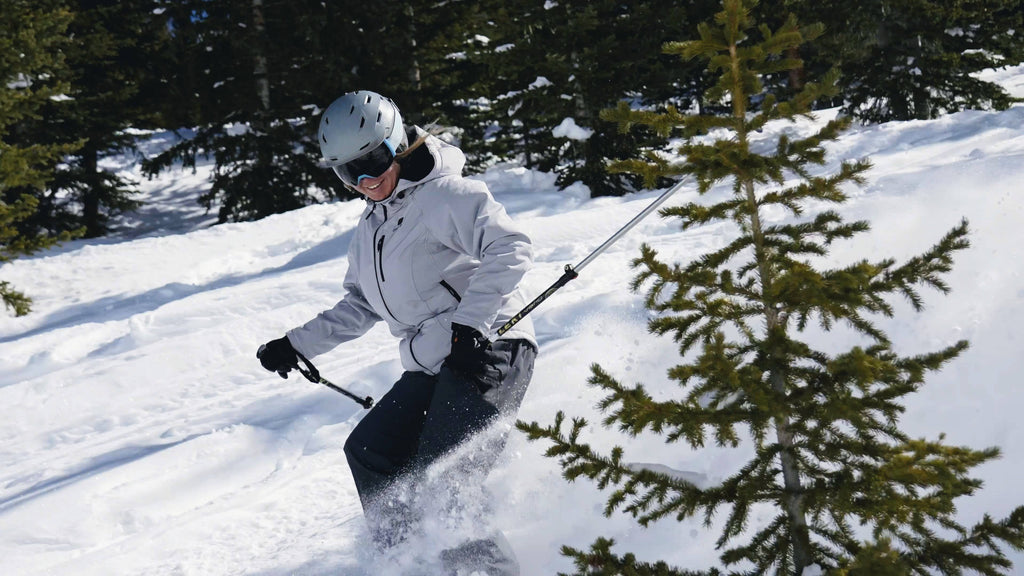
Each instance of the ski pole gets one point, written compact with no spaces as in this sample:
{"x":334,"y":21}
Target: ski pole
{"x":313,"y":375}
{"x":571,"y":272}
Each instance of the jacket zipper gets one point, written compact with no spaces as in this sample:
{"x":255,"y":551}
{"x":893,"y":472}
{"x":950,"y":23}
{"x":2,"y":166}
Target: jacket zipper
{"x":378,"y":275}
{"x":378,"y":264}
{"x":380,"y":255}
{"x":380,"y":246}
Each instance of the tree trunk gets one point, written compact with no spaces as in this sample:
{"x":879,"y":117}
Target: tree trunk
{"x":414,"y":63}
{"x":899,"y":105}
{"x":260,"y":61}
{"x":922,"y":103}
{"x":93,"y":191}
{"x":528,"y":158}
{"x":796,"y":75}
{"x":793,"y":498}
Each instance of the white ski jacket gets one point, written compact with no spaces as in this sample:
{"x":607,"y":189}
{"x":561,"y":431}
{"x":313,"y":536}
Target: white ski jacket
{"x":439,"y":250}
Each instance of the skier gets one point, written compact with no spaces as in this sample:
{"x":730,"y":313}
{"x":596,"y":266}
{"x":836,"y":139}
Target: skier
{"x":440,"y":261}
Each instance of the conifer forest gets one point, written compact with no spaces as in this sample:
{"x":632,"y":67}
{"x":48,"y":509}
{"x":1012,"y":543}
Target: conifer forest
{"x":245,"y":80}
{"x":664,"y":90}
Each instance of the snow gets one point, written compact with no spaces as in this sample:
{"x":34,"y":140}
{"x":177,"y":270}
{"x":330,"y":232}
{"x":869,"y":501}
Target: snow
{"x":697,"y":479}
{"x":540,"y":82}
{"x":569,"y":129}
{"x":141,"y":437}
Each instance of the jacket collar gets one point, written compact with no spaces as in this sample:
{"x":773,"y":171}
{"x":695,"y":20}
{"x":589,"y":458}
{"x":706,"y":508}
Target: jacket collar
{"x":448,"y":160}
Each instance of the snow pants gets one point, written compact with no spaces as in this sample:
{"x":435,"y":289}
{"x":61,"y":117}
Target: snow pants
{"x":425,"y":417}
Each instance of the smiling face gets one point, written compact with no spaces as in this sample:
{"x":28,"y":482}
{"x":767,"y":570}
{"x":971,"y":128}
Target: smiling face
{"x":381,"y":187}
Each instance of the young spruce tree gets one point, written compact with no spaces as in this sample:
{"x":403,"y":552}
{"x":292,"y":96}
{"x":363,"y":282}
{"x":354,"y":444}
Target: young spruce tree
{"x":852,"y":493}
{"x":32,"y":35}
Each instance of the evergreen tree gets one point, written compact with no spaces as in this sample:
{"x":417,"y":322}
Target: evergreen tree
{"x":915,"y":59}
{"x":829,"y":456}
{"x":252,"y":75}
{"x":110,"y":54}
{"x":113,"y":41}
{"x":549,"y":61}
{"x":900,"y":59}
{"x":423,"y":61}
{"x":260,"y":73}
{"x":32,"y":34}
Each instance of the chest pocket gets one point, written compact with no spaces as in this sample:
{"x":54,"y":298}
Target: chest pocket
{"x":394,"y":255}
{"x":404,"y":264}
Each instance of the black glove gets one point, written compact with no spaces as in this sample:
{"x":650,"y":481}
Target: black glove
{"x":469,"y":350}
{"x":278,"y":356}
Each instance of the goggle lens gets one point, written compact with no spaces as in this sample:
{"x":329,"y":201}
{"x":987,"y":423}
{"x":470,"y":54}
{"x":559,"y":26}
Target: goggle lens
{"x":369,"y":165}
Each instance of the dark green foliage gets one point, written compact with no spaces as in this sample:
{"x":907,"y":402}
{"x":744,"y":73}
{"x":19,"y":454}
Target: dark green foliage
{"x":256,"y":173}
{"x":248,"y":78}
{"x":418,"y":53}
{"x":600,"y":561}
{"x":31,"y":39}
{"x":110,"y":52}
{"x":260,"y":72}
{"x":549,"y":61}
{"x":923,"y":57}
{"x":913,"y":59}
{"x":876,"y":559}
{"x":829,"y":455}
{"x":32,"y":36}
{"x":255,"y":73}
{"x":112,"y":43}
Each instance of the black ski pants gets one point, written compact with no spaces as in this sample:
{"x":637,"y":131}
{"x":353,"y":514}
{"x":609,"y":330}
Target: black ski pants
{"x":424,"y":417}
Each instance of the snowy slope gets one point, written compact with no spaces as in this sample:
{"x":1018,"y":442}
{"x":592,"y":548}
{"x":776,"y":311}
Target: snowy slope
{"x":139,"y":435}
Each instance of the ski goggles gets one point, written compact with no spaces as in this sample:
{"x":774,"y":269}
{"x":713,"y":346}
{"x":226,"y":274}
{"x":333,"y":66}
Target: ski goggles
{"x":369,"y":165}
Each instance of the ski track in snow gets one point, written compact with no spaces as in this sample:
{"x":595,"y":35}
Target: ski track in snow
{"x":141,"y":437}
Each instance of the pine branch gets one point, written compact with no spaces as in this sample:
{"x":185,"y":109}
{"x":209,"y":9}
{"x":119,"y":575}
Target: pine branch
{"x":662,"y":123}
{"x":14,"y":300}
{"x":768,"y":547}
{"x":645,"y":494}
{"x":978,"y":550}
{"x":634,"y":411}
{"x":600,"y":561}
{"x":927,"y":268}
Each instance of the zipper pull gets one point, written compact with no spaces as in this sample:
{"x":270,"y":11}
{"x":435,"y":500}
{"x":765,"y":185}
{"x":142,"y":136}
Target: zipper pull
{"x":380,"y":256}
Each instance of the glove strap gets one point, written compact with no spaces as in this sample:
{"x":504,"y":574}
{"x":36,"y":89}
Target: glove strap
{"x":310,"y":371}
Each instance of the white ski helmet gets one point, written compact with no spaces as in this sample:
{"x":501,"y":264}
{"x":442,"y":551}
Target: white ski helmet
{"x":356,"y":124}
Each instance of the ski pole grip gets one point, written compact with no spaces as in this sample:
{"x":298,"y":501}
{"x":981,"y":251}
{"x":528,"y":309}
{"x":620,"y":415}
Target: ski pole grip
{"x":310,"y":372}
{"x":313,"y":375}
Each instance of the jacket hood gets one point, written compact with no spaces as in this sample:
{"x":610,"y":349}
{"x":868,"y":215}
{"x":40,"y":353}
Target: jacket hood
{"x":435,"y":157}
{"x":448,"y":160}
